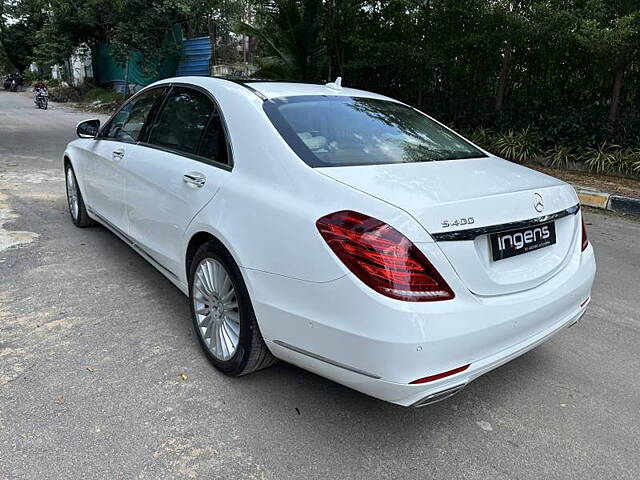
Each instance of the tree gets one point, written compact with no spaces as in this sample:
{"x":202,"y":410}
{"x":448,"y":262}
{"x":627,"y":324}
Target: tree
{"x":290,"y":34}
{"x":569,"y":69}
{"x":339,"y":18}
{"x":19,"y":20}
{"x":611,"y":32}
{"x":127,"y":25}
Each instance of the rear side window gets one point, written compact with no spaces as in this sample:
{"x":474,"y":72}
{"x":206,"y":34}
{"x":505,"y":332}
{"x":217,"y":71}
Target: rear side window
{"x":334,"y":131}
{"x":214,"y":143}
{"x":182,"y":120}
{"x":128,"y":123}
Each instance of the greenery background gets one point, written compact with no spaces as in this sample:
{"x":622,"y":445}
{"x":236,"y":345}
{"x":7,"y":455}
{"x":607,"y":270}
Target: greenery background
{"x":552,"y":79}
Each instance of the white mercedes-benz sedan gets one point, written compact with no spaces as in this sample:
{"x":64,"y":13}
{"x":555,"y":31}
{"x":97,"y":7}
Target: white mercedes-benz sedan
{"x":336,"y":229}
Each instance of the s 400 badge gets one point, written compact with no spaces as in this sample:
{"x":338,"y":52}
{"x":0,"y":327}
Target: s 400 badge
{"x":457,"y":222}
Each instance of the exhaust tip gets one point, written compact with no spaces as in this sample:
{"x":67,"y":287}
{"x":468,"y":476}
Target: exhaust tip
{"x":438,"y":396}
{"x":577,"y":320}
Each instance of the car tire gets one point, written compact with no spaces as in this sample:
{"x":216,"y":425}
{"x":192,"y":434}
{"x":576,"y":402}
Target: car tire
{"x":251,"y":353}
{"x":79,"y":215}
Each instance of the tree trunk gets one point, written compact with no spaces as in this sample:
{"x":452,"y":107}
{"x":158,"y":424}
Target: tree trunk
{"x":211,"y":26}
{"x":93,"y":51}
{"x":3,"y":54}
{"x":504,"y":74}
{"x":615,"y":95}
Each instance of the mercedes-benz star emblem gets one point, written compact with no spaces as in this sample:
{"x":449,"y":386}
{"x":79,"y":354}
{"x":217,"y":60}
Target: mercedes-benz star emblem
{"x":538,"y":204}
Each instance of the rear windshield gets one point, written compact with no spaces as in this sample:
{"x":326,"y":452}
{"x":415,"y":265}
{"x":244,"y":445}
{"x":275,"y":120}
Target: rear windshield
{"x":333,"y":131}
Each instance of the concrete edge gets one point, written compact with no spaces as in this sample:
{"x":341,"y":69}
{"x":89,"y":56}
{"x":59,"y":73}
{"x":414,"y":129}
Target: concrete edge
{"x":608,"y":201}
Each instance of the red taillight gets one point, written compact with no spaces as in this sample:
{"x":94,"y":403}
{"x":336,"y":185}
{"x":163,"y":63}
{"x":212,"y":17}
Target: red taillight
{"x":438,"y":376}
{"x":383,"y":258}
{"x":585,"y":240}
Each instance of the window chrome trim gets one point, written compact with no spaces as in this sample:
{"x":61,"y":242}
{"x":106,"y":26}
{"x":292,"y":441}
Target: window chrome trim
{"x":197,"y":158}
{"x":243,"y":83}
{"x":471,"y":233}
{"x":147,"y":131}
{"x":101,"y":133}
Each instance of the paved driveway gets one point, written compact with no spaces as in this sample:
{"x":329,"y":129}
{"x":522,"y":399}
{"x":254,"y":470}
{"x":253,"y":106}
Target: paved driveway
{"x":93,"y":343}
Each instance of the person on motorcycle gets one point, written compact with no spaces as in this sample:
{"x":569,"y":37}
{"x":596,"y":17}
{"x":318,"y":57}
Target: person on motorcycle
{"x":39,"y":85}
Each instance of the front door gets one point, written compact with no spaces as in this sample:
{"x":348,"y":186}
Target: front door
{"x":110,"y":153}
{"x":174,"y":173}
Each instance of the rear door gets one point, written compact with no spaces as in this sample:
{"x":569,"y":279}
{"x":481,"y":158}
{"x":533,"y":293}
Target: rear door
{"x":174,"y":172}
{"x":105,"y":170}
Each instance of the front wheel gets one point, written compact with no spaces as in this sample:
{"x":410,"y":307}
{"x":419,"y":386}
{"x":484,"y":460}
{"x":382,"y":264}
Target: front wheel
{"x":222,"y":313}
{"x":77,"y":208}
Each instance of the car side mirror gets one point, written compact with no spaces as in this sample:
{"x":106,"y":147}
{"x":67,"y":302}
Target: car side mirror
{"x":88,"y":128}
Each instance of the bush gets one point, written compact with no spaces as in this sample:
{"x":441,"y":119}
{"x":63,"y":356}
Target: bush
{"x":523,"y":146}
{"x":611,"y":159}
{"x":603,"y":158}
{"x":66,"y":94}
{"x":626,"y":162}
{"x":561,"y":156}
{"x":518,"y":146}
{"x":103,"y":95}
{"x":483,"y":138}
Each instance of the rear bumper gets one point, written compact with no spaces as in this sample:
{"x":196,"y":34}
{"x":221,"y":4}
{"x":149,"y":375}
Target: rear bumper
{"x":347,"y":333}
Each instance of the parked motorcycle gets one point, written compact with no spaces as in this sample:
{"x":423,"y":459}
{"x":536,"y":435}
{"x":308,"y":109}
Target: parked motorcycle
{"x":12,"y":82}
{"x":42,"y":98}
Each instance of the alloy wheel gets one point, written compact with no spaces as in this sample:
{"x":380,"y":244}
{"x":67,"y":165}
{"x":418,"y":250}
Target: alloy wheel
{"x":72,"y":194}
{"x":216,"y":308}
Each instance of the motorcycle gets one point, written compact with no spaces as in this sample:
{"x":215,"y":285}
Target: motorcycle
{"x":12,"y":83}
{"x":42,"y":98}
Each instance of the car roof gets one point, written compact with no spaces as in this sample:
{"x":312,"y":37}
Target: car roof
{"x":268,"y":89}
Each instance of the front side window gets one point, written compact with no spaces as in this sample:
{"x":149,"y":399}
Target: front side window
{"x":333,"y":131}
{"x":128,"y":123}
{"x":181,"y":121}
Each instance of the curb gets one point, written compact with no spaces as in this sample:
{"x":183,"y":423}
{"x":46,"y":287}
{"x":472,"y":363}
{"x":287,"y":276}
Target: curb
{"x":609,"y":201}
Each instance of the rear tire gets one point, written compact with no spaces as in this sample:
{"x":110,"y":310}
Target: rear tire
{"x":77,"y":208}
{"x":219,"y":305}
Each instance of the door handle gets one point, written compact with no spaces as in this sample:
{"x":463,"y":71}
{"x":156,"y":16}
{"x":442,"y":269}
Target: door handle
{"x":118,"y":155}
{"x":196,"y":179}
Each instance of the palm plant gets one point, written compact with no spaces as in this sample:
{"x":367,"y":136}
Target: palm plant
{"x":291,"y":37}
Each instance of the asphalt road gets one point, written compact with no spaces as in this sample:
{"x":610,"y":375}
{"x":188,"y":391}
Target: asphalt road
{"x":94,"y":344}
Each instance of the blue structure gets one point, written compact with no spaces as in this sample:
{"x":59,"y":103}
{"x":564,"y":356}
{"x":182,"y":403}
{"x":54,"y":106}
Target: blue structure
{"x":196,"y":57}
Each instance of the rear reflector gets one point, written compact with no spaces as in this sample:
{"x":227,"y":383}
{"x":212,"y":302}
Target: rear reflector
{"x":585,"y":240}
{"x":383,"y":258}
{"x":438,"y":376}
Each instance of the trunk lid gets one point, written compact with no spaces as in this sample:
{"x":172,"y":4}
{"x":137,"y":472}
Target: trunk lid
{"x":486,"y":194}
